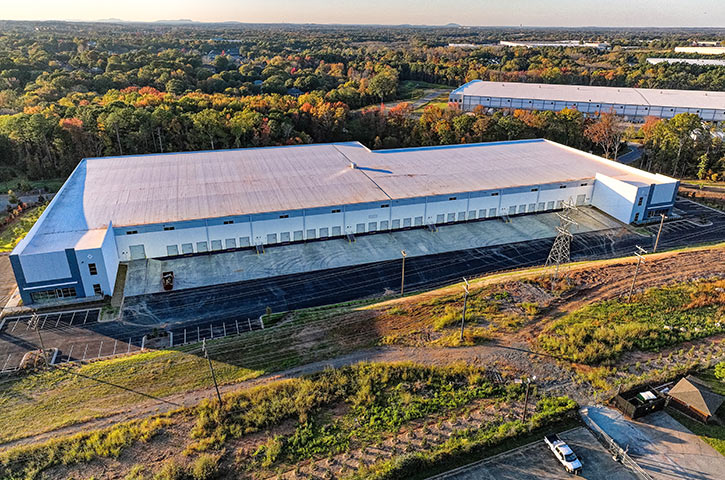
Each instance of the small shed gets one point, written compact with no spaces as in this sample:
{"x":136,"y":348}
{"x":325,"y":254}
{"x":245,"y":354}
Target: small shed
{"x":693,"y":397}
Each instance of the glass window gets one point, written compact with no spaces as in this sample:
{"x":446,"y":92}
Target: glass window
{"x":92,"y":269}
{"x":97,"y":289}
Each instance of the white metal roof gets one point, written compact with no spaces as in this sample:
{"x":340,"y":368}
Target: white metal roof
{"x":582,"y":93}
{"x":165,"y":188}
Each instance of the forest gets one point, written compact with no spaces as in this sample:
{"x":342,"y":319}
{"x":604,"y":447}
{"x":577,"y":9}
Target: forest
{"x":69,"y":91}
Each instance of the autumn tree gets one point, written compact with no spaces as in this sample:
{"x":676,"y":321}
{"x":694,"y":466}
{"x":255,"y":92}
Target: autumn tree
{"x":607,"y":132}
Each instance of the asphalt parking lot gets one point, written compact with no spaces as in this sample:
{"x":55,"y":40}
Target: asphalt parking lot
{"x":79,"y":336}
{"x":288,"y":292}
{"x":535,"y":461}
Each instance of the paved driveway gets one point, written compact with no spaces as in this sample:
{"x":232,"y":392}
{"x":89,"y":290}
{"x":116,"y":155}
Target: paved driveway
{"x":659,"y":444}
{"x":535,"y":461}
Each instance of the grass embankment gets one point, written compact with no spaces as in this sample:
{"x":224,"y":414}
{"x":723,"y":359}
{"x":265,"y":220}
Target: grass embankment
{"x":15,"y":231}
{"x":490,"y":310}
{"x":29,"y":403}
{"x":657,"y":318}
{"x":316,"y":416}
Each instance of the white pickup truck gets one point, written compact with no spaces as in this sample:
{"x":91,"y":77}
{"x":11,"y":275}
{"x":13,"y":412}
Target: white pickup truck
{"x":564,"y":454}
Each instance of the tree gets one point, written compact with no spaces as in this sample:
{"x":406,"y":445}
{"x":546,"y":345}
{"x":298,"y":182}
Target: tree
{"x":13,"y":198}
{"x":384,"y":84}
{"x":681,"y":127}
{"x":607,"y":132}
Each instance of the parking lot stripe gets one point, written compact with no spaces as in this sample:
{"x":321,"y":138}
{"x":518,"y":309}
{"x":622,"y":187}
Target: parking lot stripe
{"x":237,"y":322}
{"x":99,"y":349}
{"x":15,"y":325}
{"x":58,"y":321}
{"x":6,"y":361}
{"x":115,"y":344}
{"x":128,"y":350}
{"x":70,"y":353}
{"x":42,"y":326}
{"x":86,"y":317}
{"x":85,"y":351}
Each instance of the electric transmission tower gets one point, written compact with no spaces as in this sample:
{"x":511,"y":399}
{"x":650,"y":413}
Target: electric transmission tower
{"x":559,"y":253}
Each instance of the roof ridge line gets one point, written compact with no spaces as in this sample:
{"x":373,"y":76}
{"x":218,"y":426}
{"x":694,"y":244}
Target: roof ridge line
{"x":361,"y":171}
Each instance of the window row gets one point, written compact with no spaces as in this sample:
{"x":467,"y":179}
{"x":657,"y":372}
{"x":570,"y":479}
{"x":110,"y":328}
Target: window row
{"x":47,"y":295}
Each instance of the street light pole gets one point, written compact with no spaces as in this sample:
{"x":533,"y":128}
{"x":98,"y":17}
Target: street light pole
{"x":659,"y":232}
{"x":402,"y":274}
{"x":34,"y":321}
{"x":640,"y":259}
{"x":211,"y":368}
{"x":526,"y":400}
{"x":465,"y":301}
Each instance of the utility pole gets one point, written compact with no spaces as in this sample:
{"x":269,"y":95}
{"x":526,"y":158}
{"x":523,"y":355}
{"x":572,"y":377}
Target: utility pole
{"x":402,"y":274}
{"x":560,"y":250}
{"x":211,"y":368}
{"x":640,"y":259}
{"x":526,"y":399}
{"x":659,"y":232}
{"x":34,"y":321}
{"x":465,"y":301}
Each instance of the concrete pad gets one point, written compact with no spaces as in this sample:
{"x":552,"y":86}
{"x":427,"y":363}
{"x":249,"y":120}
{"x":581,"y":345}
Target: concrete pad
{"x":535,"y":461}
{"x":144,"y":276}
{"x":664,"y":448}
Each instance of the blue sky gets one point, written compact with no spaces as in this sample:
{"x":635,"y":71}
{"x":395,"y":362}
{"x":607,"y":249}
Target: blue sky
{"x":678,"y":13}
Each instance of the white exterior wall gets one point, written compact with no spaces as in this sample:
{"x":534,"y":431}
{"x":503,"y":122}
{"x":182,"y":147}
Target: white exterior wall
{"x":402,"y":214}
{"x":615,"y":197}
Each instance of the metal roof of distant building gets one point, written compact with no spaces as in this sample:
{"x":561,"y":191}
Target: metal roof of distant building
{"x":584,"y":93}
{"x":173,"y":187}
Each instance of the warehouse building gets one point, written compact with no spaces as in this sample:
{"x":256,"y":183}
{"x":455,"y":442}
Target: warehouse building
{"x":118,"y":209}
{"x":634,"y":104}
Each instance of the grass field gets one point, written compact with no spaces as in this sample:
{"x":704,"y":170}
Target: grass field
{"x":317,"y":416}
{"x":11,"y":234}
{"x":29,"y":403}
{"x":414,"y":89}
{"x":658,"y":318}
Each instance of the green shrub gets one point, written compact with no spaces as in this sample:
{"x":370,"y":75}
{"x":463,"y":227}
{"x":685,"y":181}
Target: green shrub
{"x":720,"y":371}
{"x":206,"y":467}
{"x":171,"y":471}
